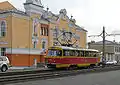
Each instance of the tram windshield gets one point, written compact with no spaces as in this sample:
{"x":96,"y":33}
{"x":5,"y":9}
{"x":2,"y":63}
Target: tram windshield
{"x":54,"y":52}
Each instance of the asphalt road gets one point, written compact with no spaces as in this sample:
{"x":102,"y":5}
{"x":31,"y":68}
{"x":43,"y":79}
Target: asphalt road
{"x":105,"y":78}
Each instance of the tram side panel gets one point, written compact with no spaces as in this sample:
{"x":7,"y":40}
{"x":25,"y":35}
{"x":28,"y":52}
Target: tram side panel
{"x":66,"y":62}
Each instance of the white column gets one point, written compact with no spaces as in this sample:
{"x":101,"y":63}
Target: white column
{"x":106,"y":57}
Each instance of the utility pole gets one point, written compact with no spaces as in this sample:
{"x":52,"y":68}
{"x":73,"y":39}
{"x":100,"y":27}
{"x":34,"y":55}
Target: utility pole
{"x":103,"y":35}
{"x":103,"y":55}
{"x":103,"y":45}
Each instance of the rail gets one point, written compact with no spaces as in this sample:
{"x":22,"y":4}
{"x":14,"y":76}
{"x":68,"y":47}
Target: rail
{"x":46,"y":74}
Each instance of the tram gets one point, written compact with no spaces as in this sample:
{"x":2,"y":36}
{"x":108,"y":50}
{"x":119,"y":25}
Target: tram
{"x":67,"y":57}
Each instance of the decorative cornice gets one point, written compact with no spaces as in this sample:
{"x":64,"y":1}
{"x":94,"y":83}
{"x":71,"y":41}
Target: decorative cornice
{"x":14,"y":11}
{"x":33,"y":4}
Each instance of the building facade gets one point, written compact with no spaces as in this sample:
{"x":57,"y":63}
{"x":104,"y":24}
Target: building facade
{"x":112,"y":49}
{"x":25,"y":36}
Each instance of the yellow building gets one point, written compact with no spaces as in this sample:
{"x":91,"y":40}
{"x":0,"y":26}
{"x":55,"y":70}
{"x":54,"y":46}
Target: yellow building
{"x":24,"y":36}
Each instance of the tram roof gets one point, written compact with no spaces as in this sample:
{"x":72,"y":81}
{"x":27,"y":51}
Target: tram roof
{"x":72,"y":48}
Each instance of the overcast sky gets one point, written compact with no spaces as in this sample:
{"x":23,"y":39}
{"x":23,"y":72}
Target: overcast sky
{"x":91,"y":14}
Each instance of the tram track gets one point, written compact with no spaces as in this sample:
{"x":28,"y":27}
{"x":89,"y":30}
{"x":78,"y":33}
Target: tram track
{"x":16,"y":77}
{"x":25,"y":72}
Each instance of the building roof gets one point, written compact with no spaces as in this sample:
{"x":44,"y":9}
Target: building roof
{"x":106,"y":42}
{"x":6,"y":6}
{"x":81,"y":28}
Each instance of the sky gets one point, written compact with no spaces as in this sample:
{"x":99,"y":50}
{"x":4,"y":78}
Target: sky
{"x":90,"y":14}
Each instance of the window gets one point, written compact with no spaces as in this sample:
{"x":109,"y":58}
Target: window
{"x":76,"y":53}
{"x":3,"y":29}
{"x":44,"y":31}
{"x":66,"y":52}
{"x":35,"y":44}
{"x":41,"y":30}
{"x":54,"y":53}
{"x":47,"y":32}
{"x":43,"y":45}
{"x":117,"y":49}
{"x":3,"y":50}
{"x":86,"y":53}
{"x":82,"y":54}
{"x":1,"y":59}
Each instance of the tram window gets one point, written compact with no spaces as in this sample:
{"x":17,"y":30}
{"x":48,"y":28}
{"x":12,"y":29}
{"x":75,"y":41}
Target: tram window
{"x":95,"y":55}
{"x":76,"y":53}
{"x":86,"y":54}
{"x":90,"y":54}
{"x":68,"y":53}
{"x":65,"y":53}
{"x":71,"y":53}
{"x":59,"y":53}
{"x":54,"y":53}
{"x":82,"y":53}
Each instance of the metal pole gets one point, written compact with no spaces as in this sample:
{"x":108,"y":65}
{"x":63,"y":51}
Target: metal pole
{"x":11,"y":39}
{"x":104,"y":43}
{"x":29,"y":39}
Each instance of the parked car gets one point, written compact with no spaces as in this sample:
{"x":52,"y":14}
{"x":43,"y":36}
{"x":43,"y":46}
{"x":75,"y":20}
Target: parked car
{"x":111,"y":62}
{"x":4,"y":63}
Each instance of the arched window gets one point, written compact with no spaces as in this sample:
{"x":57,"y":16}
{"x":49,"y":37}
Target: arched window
{"x":3,"y":28}
{"x":43,"y":45}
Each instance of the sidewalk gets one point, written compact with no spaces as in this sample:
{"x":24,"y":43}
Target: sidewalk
{"x":14,"y":69}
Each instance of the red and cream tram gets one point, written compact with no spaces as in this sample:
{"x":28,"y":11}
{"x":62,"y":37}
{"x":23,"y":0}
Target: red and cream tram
{"x":61,"y":56}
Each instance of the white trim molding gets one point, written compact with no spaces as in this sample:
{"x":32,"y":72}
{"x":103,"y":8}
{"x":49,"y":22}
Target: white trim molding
{"x":23,"y":51}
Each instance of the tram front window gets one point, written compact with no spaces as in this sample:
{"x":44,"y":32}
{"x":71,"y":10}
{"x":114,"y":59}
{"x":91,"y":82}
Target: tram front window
{"x":54,"y":53}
